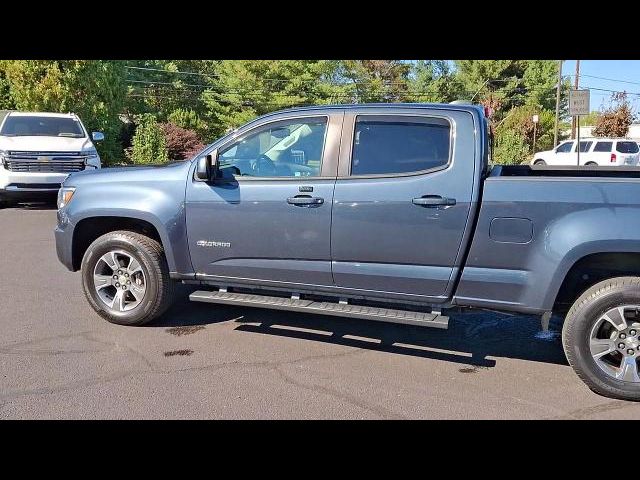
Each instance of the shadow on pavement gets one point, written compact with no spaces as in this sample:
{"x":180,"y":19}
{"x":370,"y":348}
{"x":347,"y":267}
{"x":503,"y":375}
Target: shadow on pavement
{"x":471,"y":338}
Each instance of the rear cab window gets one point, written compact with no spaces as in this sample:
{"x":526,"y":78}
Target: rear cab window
{"x":399,"y":144}
{"x":627,"y":147}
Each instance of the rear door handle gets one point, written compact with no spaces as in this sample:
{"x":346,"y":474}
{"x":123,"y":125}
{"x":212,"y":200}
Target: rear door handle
{"x":302,"y":200}
{"x":432,"y":201}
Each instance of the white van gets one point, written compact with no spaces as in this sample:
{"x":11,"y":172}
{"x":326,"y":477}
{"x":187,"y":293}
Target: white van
{"x":593,"y":152}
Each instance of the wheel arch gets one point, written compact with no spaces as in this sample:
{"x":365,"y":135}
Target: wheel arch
{"x":590,"y":269}
{"x":90,"y":227}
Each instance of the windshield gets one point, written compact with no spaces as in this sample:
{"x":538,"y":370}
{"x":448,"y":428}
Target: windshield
{"x":23,"y":126}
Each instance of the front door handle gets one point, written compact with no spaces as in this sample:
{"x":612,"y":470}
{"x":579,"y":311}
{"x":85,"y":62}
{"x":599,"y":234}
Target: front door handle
{"x":302,"y":200}
{"x":433,"y":201}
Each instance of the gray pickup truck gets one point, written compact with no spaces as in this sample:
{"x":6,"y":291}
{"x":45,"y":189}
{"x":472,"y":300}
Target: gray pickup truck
{"x":382,"y":212}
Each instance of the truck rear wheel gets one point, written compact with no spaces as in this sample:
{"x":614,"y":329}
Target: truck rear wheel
{"x":125,"y":278}
{"x":601,"y":338}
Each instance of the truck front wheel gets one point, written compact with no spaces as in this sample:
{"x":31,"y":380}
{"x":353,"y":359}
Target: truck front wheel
{"x":125,"y":278}
{"x":601,"y":337}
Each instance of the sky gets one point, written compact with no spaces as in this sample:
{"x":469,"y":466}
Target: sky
{"x":622,"y":75}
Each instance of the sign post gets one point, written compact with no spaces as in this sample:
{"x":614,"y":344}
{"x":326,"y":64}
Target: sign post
{"x":535,"y":125}
{"x":578,"y":105}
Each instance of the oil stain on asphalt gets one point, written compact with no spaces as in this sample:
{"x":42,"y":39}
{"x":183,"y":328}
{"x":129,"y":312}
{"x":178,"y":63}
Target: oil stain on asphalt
{"x":186,"y":330}
{"x":172,"y":353}
{"x":474,"y":369}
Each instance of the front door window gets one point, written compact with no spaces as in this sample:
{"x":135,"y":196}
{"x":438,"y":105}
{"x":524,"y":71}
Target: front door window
{"x":289,"y":148}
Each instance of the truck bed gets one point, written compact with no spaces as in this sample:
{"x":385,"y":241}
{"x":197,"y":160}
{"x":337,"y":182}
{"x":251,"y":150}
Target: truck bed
{"x":563,"y":171}
{"x":535,"y":223}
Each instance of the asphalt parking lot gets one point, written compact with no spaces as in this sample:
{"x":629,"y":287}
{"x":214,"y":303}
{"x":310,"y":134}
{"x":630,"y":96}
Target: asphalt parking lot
{"x":58,"y":359}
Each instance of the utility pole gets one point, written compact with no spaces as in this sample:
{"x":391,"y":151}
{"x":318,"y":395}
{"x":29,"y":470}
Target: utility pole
{"x":576,"y":84}
{"x":555,"y":130}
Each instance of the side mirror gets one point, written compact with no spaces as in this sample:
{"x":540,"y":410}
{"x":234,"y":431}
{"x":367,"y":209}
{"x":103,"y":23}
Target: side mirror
{"x":97,"y":136}
{"x":207,"y":167}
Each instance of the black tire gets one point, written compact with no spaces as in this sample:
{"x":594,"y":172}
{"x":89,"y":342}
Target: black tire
{"x":586,"y":310}
{"x":159,"y":293}
{"x":539,"y":162}
{"x":591,"y":164}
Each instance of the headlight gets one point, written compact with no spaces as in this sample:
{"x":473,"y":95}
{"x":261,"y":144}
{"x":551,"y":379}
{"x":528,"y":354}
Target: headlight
{"x":90,"y":156}
{"x":3,"y":156}
{"x":65,"y":194}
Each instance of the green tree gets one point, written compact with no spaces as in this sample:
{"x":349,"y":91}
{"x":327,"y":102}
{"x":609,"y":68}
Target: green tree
{"x":190,"y":120}
{"x":497,"y":82}
{"x":505,"y":84}
{"x":374,"y":80}
{"x":434,"y":81}
{"x":539,"y":83}
{"x":149,"y":145}
{"x":510,"y":148}
{"x":94,"y":89}
{"x":164,"y":86}
{"x":520,"y":120}
{"x":244,"y":89}
{"x":6,"y":101}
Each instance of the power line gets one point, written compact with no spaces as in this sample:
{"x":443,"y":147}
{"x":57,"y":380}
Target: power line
{"x":608,"y":79}
{"x":322,"y":84}
{"x":169,"y":83}
{"x":169,"y":71}
{"x":190,"y":93}
{"x":612,"y":91}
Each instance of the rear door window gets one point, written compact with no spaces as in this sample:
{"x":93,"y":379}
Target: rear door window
{"x":397,"y":144}
{"x":627,"y":147}
{"x":603,"y":147}
{"x":585,"y":146}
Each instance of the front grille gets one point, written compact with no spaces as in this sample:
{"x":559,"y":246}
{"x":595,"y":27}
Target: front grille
{"x":38,"y":166}
{"x":34,"y":186}
{"x":51,"y":162}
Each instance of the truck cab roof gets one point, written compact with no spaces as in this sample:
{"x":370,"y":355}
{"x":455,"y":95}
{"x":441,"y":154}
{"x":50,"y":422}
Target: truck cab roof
{"x":390,"y":106}
{"x":40,"y":114}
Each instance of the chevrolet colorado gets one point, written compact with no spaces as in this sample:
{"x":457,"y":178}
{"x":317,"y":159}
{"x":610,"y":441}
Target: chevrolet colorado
{"x":383,"y":212}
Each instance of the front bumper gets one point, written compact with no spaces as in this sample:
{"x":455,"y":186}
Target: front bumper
{"x":26,"y":193}
{"x":29,"y":186}
{"x":64,"y":240}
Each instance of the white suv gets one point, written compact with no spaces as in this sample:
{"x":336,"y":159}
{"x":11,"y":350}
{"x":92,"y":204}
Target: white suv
{"x":593,"y":152}
{"x":39,"y":150}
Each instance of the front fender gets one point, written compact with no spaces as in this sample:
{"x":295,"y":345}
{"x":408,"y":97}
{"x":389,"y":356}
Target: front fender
{"x":161,"y":207}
